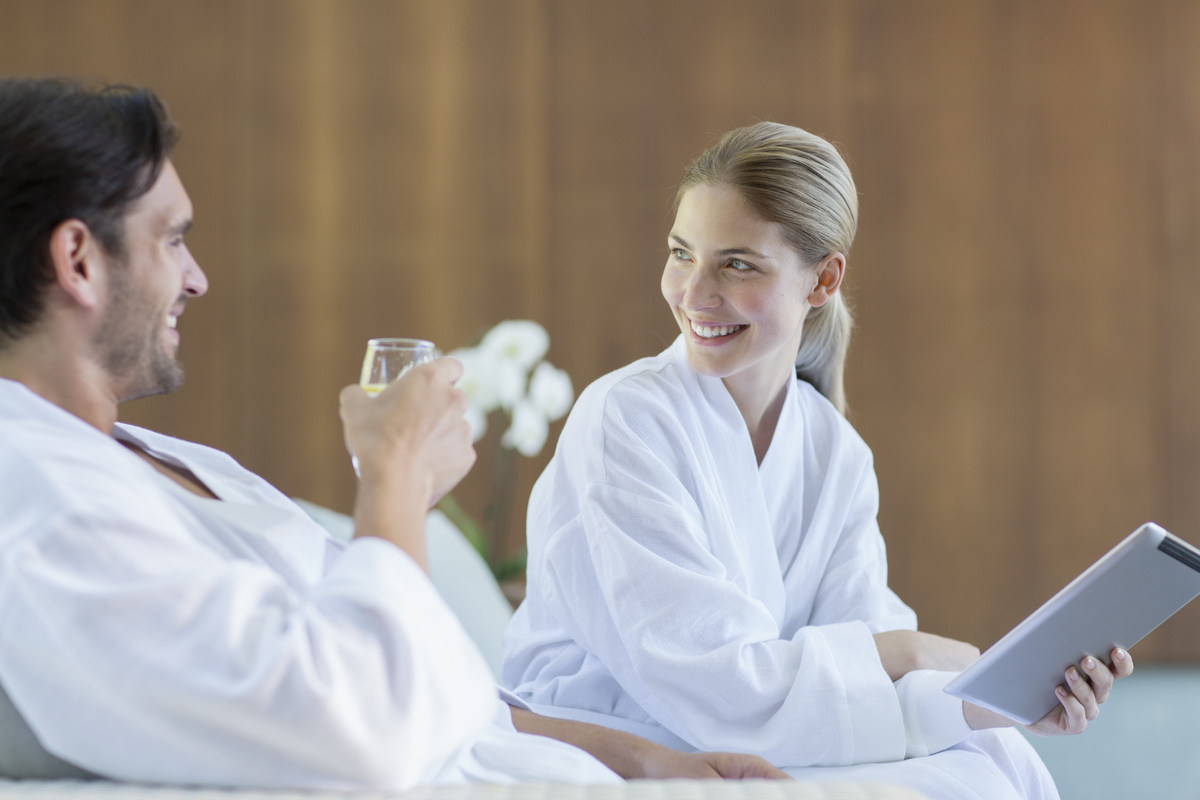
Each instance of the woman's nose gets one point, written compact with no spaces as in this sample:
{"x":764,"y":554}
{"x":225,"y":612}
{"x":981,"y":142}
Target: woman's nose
{"x":701,"y":290}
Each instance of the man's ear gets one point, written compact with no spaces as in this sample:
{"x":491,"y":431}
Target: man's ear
{"x":78,"y":261}
{"x":829,"y":279}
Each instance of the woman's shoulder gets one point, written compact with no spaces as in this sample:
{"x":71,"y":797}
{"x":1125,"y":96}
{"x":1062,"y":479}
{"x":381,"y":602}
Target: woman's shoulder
{"x":644,"y":417}
{"x":645,"y":404}
{"x":826,"y":428}
{"x":656,"y":381}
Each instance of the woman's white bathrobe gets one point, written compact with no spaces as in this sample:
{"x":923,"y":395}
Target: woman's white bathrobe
{"x":682,"y":591}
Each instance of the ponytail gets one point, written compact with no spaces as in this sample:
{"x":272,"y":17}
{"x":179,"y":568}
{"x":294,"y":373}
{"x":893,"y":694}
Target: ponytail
{"x":823,"y":346}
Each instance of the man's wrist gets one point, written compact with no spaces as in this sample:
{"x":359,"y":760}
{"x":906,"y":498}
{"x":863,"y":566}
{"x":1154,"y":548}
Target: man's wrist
{"x":391,"y":504}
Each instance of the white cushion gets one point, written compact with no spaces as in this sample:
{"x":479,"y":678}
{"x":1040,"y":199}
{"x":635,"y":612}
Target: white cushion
{"x":22,"y":755}
{"x":458,"y":572}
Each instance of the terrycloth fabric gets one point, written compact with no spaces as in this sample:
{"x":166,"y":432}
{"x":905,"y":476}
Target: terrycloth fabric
{"x":681,"y":590}
{"x":147,"y":634}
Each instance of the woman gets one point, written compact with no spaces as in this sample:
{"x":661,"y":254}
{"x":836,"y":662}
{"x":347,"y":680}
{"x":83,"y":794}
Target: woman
{"x":705,"y":568}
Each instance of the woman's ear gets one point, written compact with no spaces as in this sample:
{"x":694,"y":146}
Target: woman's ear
{"x":829,"y":279}
{"x":76,"y":257}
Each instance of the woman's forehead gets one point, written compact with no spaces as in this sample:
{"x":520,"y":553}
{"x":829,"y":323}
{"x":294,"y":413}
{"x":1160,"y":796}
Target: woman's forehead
{"x":718,"y":216}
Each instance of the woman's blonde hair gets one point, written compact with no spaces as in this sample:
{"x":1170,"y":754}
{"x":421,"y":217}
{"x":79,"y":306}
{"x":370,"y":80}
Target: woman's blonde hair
{"x":800,"y":181}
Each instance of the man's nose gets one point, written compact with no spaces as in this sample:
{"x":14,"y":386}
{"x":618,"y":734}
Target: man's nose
{"x":195,"y":282}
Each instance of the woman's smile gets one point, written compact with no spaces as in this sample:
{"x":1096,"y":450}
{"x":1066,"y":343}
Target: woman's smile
{"x":715,"y":333}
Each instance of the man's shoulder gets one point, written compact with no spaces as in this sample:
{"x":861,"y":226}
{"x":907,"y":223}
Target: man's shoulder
{"x":53,"y":469}
{"x":35,"y":430}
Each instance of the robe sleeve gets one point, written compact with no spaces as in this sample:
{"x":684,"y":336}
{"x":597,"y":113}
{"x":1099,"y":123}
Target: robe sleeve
{"x":854,"y":584}
{"x":631,"y":577}
{"x":933,"y":720}
{"x":138,"y":653}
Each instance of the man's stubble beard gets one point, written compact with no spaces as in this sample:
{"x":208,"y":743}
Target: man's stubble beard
{"x":129,"y":341}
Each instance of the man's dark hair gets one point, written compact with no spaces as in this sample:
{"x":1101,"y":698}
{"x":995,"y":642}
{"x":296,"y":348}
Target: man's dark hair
{"x":69,"y":151}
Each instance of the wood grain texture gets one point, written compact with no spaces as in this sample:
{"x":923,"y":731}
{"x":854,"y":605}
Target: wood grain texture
{"x":1025,"y":363}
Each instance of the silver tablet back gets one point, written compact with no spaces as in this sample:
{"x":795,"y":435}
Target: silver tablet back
{"x":1129,"y":592}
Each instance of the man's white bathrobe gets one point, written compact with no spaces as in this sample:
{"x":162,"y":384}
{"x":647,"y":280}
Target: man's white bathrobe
{"x":147,"y":634}
{"x":682,"y":591}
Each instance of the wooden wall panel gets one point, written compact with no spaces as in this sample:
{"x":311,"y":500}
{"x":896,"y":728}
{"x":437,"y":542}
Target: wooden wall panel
{"x":1178,"y":351}
{"x":940,"y":290}
{"x":1024,"y":281}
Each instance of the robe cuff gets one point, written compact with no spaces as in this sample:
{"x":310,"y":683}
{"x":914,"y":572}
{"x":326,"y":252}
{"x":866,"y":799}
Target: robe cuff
{"x":512,"y":699}
{"x":371,"y":569}
{"x":381,"y":568}
{"x":876,"y":725}
{"x":933,"y":720}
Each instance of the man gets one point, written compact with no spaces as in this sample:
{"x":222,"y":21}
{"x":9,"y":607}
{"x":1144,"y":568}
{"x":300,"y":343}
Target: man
{"x":167,"y":616}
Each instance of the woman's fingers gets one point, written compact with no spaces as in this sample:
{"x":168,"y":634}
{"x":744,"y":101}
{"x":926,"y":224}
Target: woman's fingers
{"x":1082,"y":690}
{"x":1100,"y":676}
{"x":1074,"y":716}
{"x":1122,"y":663}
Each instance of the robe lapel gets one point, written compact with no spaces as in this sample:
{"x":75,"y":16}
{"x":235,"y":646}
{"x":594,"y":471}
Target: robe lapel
{"x":742,"y":536}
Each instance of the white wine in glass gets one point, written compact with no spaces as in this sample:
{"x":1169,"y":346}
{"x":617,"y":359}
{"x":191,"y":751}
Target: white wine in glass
{"x":387,"y":360}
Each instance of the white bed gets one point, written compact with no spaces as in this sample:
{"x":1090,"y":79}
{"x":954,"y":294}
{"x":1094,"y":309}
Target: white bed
{"x":634,"y":790}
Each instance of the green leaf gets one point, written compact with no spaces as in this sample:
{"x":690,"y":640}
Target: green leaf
{"x":462,"y":520}
{"x":512,"y":567}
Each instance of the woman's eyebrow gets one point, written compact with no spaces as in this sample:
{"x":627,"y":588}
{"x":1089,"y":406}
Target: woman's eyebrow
{"x":745,"y":251}
{"x":732,"y":251}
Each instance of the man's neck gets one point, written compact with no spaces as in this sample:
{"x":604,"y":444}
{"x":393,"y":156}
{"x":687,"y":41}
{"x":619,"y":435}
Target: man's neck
{"x":182,"y":476}
{"x":63,"y":376}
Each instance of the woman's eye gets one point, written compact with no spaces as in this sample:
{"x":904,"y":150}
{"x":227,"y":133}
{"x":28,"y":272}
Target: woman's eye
{"x":739,"y":265}
{"x":680,"y":254}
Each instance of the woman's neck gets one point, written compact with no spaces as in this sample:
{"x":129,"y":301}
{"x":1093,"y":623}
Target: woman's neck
{"x":760,"y":407}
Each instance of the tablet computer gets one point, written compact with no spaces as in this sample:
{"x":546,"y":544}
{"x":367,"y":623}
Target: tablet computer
{"x":1129,"y":592}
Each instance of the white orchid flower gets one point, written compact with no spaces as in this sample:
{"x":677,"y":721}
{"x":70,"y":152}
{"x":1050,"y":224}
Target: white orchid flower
{"x":479,"y":381}
{"x":551,"y":391}
{"x":477,"y":419}
{"x":529,"y":429}
{"x":519,"y":341}
{"x":508,"y":382}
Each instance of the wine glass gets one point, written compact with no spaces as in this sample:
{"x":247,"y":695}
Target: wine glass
{"x":387,"y":360}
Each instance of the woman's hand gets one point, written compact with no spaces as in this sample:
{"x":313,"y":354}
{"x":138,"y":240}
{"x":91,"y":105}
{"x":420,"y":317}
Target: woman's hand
{"x":663,"y":762}
{"x":1079,"y":698}
{"x":904,"y":651}
{"x":633,"y":757}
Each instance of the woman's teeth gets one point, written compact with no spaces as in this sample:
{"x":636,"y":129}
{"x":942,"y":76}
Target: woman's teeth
{"x":171,"y":320}
{"x":713,"y":331}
